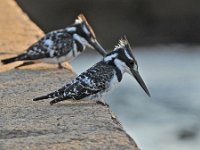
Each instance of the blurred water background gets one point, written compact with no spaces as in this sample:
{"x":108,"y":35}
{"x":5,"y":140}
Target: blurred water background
{"x":165,"y":35}
{"x":170,"y":119}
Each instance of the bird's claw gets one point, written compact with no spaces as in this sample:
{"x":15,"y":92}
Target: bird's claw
{"x":102,"y":103}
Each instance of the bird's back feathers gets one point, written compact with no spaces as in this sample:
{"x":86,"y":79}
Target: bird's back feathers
{"x":53,"y":45}
{"x":89,"y":83}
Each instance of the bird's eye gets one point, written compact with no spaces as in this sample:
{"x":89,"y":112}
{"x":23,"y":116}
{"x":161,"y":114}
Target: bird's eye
{"x":131,"y":63}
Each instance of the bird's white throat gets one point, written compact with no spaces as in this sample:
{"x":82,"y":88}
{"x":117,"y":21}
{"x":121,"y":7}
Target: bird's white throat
{"x":120,"y":65}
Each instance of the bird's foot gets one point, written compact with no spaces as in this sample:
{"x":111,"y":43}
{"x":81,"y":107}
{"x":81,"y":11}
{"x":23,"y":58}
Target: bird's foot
{"x":60,"y":66}
{"x":66,"y":66}
{"x":102,"y":103}
{"x":52,"y":102}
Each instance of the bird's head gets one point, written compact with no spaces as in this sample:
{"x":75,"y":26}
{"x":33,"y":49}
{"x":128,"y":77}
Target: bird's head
{"x":123,"y":60}
{"x":84,"y":34}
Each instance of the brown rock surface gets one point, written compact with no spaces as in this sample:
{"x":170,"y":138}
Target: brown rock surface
{"x":25,"y":124}
{"x":17,"y":32}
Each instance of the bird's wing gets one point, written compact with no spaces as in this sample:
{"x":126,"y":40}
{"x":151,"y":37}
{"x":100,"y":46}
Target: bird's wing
{"x":76,"y":91}
{"x":90,"y":82}
{"x":93,"y":81}
{"x":54,"y":44}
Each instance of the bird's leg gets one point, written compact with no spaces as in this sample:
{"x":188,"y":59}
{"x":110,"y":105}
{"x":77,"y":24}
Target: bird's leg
{"x":102,"y":102}
{"x":60,"y":66}
{"x":65,"y":65}
{"x":25,"y":64}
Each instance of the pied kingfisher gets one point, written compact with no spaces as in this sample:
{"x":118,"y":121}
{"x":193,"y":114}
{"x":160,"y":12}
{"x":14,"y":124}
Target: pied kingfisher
{"x":101,"y":78}
{"x":61,"y":45}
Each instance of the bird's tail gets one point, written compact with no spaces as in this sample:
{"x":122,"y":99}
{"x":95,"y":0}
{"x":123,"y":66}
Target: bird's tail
{"x":41,"y":98}
{"x":51,"y":95}
{"x":9,"y":60}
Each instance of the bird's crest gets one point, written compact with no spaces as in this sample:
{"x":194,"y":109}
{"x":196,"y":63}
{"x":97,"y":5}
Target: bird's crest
{"x":81,"y":19}
{"x":123,"y":42}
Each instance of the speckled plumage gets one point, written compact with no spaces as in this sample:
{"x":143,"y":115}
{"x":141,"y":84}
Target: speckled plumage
{"x":92,"y":83}
{"x":95,"y":82}
{"x":61,"y":45}
{"x":54,"y":45}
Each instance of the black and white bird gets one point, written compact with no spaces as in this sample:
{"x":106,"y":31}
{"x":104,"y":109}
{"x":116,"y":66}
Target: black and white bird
{"x":101,"y":78}
{"x":61,"y":45}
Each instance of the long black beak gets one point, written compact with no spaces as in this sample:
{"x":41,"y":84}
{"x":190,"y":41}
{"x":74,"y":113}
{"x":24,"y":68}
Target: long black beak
{"x":98,"y":47}
{"x":140,"y":81}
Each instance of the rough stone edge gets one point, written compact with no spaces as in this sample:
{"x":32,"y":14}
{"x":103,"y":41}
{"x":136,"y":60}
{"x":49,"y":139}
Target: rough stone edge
{"x":36,"y":28}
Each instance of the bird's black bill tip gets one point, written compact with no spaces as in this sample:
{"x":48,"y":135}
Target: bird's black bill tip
{"x":98,"y":47}
{"x":148,"y":93}
{"x":141,"y":82}
{"x":146,"y":90}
